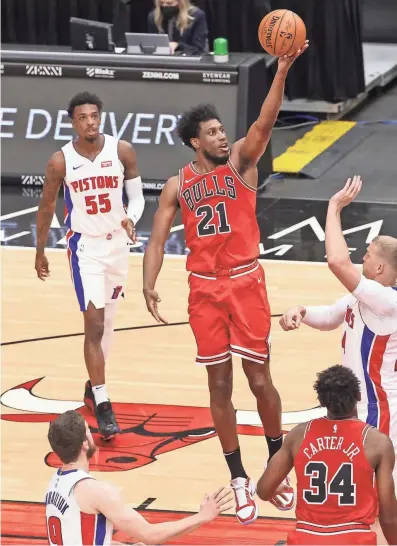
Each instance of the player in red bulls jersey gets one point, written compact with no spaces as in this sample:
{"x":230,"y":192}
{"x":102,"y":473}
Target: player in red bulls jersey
{"x":94,"y":169}
{"x":228,"y":307}
{"x":337,"y":460}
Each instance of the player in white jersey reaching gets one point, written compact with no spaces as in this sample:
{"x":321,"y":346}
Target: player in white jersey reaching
{"x":82,"y":510}
{"x":369,"y":315}
{"x":94,"y":169}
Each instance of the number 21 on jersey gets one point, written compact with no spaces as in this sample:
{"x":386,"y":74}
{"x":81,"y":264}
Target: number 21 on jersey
{"x":213,"y":220}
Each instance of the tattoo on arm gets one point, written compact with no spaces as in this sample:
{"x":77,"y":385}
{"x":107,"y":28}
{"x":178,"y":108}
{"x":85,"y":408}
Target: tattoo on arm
{"x":52,"y":183}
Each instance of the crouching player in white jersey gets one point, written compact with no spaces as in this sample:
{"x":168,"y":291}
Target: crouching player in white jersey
{"x":93,"y":169}
{"x":369,"y":315}
{"x":82,"y":510}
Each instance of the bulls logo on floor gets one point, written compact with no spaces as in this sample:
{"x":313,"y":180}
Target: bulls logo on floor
{"x":148,"y":430}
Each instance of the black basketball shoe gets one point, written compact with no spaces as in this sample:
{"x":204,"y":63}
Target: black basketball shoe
{"x":89,"y":399}
{"x":107,"y":423}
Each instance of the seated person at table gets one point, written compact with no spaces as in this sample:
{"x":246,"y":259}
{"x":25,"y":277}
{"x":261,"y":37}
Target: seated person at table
{"x":185,"y":25}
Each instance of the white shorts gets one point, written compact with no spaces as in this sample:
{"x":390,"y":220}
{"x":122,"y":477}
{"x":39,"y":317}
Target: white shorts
{"x":384,"y":417}
{"x":99,"y":266}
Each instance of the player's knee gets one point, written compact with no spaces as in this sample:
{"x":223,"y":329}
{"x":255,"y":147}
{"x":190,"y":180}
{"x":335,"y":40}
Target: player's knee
{"x":260,"y":385}
{"x":221,"y":390}
{"x":94,"y":330}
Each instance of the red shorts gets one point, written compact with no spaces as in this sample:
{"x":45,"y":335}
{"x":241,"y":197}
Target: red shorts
{"x":344,"y":538}
{"x":333,"y":535}
{"x":230,"y":315}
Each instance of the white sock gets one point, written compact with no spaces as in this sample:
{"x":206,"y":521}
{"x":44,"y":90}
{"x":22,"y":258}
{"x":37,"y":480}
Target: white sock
{"x":100,"y":394}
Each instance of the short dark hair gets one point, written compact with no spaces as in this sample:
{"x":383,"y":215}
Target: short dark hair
{"x":188,"y":126}
{"x":338,"y":390}
{"x":66,"y":435}
{"x":84,"y":98}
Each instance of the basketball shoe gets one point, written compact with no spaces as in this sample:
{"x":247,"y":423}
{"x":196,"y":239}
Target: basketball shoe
{"x":246,"y":508}
{"x":89,"y":399}
{"x":107,"y":424}
{"x":284,"y":499}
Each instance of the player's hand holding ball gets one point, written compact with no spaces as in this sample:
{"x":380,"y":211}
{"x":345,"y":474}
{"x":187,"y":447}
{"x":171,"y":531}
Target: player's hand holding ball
{"x":285,"y":62}
{"x":292,"y":319}
{"x":282,"y":33}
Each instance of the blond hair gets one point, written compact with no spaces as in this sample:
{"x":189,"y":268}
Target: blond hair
{"x":388,"y":247}
{"x":183,"y":20}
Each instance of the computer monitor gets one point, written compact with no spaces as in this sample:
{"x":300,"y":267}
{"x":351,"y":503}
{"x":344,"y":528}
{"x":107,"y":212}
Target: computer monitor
{"x":91,"y":35}
{"x":147,"y":44}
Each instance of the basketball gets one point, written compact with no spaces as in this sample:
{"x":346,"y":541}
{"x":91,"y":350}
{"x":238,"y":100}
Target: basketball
{"x":282,"y":32}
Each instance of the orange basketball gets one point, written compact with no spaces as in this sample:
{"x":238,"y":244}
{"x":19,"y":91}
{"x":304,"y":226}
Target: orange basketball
{"x":282,"y":32}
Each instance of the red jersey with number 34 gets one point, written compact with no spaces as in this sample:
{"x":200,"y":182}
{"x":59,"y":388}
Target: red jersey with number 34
{"x":219,"y":217}
{"x":335,"y":489}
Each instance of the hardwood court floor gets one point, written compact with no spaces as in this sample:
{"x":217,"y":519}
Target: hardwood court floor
{"x":152,"y":376}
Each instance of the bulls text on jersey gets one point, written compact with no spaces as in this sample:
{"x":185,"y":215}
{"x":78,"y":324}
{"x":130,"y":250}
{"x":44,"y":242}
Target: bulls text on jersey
{"x":208,"y":187}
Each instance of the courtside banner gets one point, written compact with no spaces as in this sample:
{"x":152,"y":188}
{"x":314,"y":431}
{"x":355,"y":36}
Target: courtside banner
{"x":140,"y":105}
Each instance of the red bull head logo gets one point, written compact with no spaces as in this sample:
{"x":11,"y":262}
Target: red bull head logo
{"x":148,"y":430}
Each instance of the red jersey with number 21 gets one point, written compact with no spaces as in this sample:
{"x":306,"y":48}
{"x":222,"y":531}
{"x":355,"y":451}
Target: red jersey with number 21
{"x":219,"y":216}
{"x":336,"y":495}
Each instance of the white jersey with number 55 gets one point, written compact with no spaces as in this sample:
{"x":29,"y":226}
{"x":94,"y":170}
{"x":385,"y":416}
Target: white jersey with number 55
{"x":94,"y":190}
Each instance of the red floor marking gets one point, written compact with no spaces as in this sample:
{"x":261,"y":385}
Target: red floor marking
{"x":24,"y":523}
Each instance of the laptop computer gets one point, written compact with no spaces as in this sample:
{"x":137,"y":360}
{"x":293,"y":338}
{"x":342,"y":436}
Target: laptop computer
{"x":91,"y":35}
{"x":147,"y":44}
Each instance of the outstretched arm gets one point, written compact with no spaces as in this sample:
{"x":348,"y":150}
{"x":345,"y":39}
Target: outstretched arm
{"x":319,"y":317}
{"x":154,"y":255}
{"x":248,"y":151}
{"x":98,"y":497}
{"x":381,"y":299}
{"x":54,"y":176}
{"x":338,"y":256}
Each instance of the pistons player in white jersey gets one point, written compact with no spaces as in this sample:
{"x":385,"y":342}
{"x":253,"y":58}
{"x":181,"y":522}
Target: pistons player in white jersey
{"x":94,"y":169}
{"x":82,"y":510}
{"x":368,"y":313}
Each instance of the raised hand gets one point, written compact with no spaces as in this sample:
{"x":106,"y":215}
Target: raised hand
{"x":285,"y":62}
{"x":348,"y":193}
